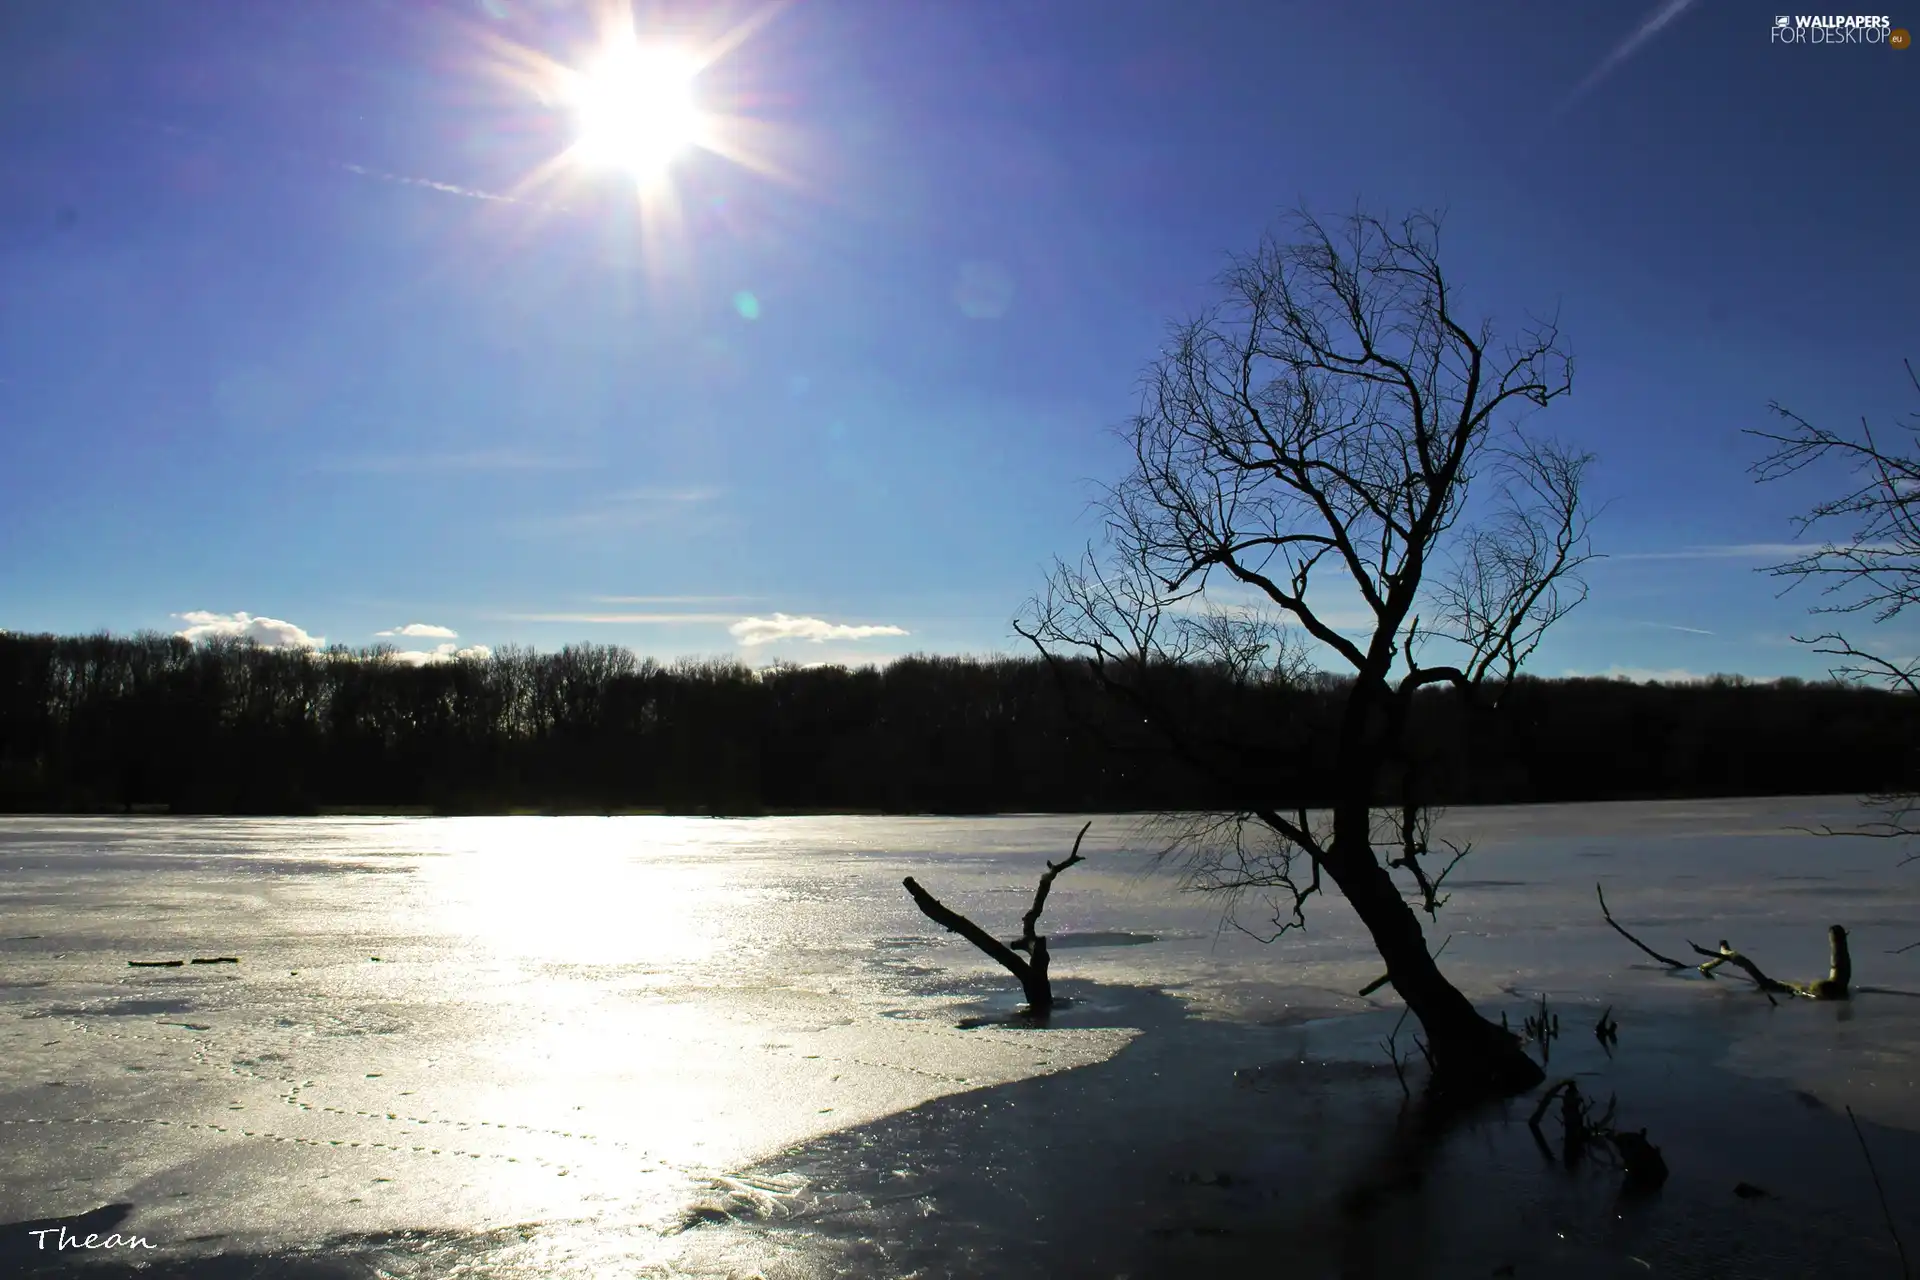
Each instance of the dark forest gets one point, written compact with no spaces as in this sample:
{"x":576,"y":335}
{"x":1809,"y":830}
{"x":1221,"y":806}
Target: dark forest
{"x":151,"y":722}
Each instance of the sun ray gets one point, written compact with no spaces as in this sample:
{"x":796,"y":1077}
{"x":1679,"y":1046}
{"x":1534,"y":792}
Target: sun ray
{"x":637,"y":113}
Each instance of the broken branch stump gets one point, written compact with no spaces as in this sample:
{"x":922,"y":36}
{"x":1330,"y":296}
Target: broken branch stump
{"x":1030,"y":969}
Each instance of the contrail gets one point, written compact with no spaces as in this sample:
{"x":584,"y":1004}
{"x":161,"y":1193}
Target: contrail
{"x":1651,"y":27}
{"x":448,"y":187}
{"x":1674,"y":626}
{"x":358,"y":170}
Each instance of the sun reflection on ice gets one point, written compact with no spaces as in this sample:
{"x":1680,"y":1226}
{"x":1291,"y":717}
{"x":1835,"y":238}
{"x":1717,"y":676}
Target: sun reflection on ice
{"x":577,"y":891}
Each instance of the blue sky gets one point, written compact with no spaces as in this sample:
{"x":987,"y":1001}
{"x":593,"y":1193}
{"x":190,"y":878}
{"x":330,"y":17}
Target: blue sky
{"x":272,"y":344}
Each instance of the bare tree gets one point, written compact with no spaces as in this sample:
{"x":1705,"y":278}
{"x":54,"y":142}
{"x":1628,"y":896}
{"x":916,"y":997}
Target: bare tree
{"x":1321,"y":429}
{"x":1873,"y":568}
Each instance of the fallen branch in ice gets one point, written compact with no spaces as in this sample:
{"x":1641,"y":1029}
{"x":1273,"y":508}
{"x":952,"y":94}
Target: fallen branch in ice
{"x":1727,"y":955}
{"x":1835,"y":986}
{"x":1669,"y":961}
{"x":1031,"y":970}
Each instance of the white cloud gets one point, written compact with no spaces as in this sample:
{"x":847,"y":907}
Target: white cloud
{"x":269,"y":633}
{"x":758,"y":631}
{"x":442,"y":653}
{"x":623,"y":619}
{"x":850,"y":659}
{"x":422,"y":629}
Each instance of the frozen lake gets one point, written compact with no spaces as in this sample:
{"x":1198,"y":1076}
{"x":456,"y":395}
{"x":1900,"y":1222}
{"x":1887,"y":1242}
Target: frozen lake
{"x":656,"y":1046}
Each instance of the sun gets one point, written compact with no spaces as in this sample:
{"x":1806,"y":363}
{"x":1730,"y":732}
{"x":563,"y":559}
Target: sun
{"x":637,"y":109}
{"x":636,"y":104}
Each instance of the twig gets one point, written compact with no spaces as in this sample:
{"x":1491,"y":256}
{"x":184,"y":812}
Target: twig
{"x":1905,"y":1271}
{"x":1392,"y":1045}
{"x":1031,"y":970}
{"x":1546,"y":1100}
{"x":1581,"y":1133}
{"x":1025,"y":941}
{"x":1669,"y":961}
{"x":1727,"y":955}
{"x":1542,"y":1030}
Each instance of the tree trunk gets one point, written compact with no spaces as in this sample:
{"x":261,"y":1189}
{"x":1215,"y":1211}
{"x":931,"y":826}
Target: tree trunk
{"x":1469,"y":1053}
{"x":1031,"y":973}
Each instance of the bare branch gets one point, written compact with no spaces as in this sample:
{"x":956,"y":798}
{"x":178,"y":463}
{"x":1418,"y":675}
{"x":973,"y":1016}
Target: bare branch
{"x":1243,"y":854}
{"x":1669,"y":961}
{"x":1027,"y":922}
{"x":1727,"y":955}
{"x":952,"y":921}
{"x":1874,"y":566}
{"x":1334,"y":429}
{"x":1877,"y":560}
{"x":1413,"y":830}
{"x":1321,"y":426}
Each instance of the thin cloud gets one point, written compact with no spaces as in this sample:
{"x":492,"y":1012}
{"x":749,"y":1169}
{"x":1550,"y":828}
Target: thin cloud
{"x":635,"y":508}
{"x":479,"y":460}
{"x":422,"y":629}
{"x":752,"y":632}
{"x":688,"y":494}
{"x":1649,"y":27}
{"x":1350,"y":622}
{"x":1761,"y":551}
{"x":623,"y":619}
{"x":672,"y":599}
{"x":1728,"y":551}
{"x":268,"y":633}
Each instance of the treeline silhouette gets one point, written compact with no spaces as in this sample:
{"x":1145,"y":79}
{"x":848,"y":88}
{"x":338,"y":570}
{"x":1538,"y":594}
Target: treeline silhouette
{"x":102,"y":723}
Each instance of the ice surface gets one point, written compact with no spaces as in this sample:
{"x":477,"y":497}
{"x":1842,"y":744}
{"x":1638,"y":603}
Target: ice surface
{"x":593,"y":1046}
